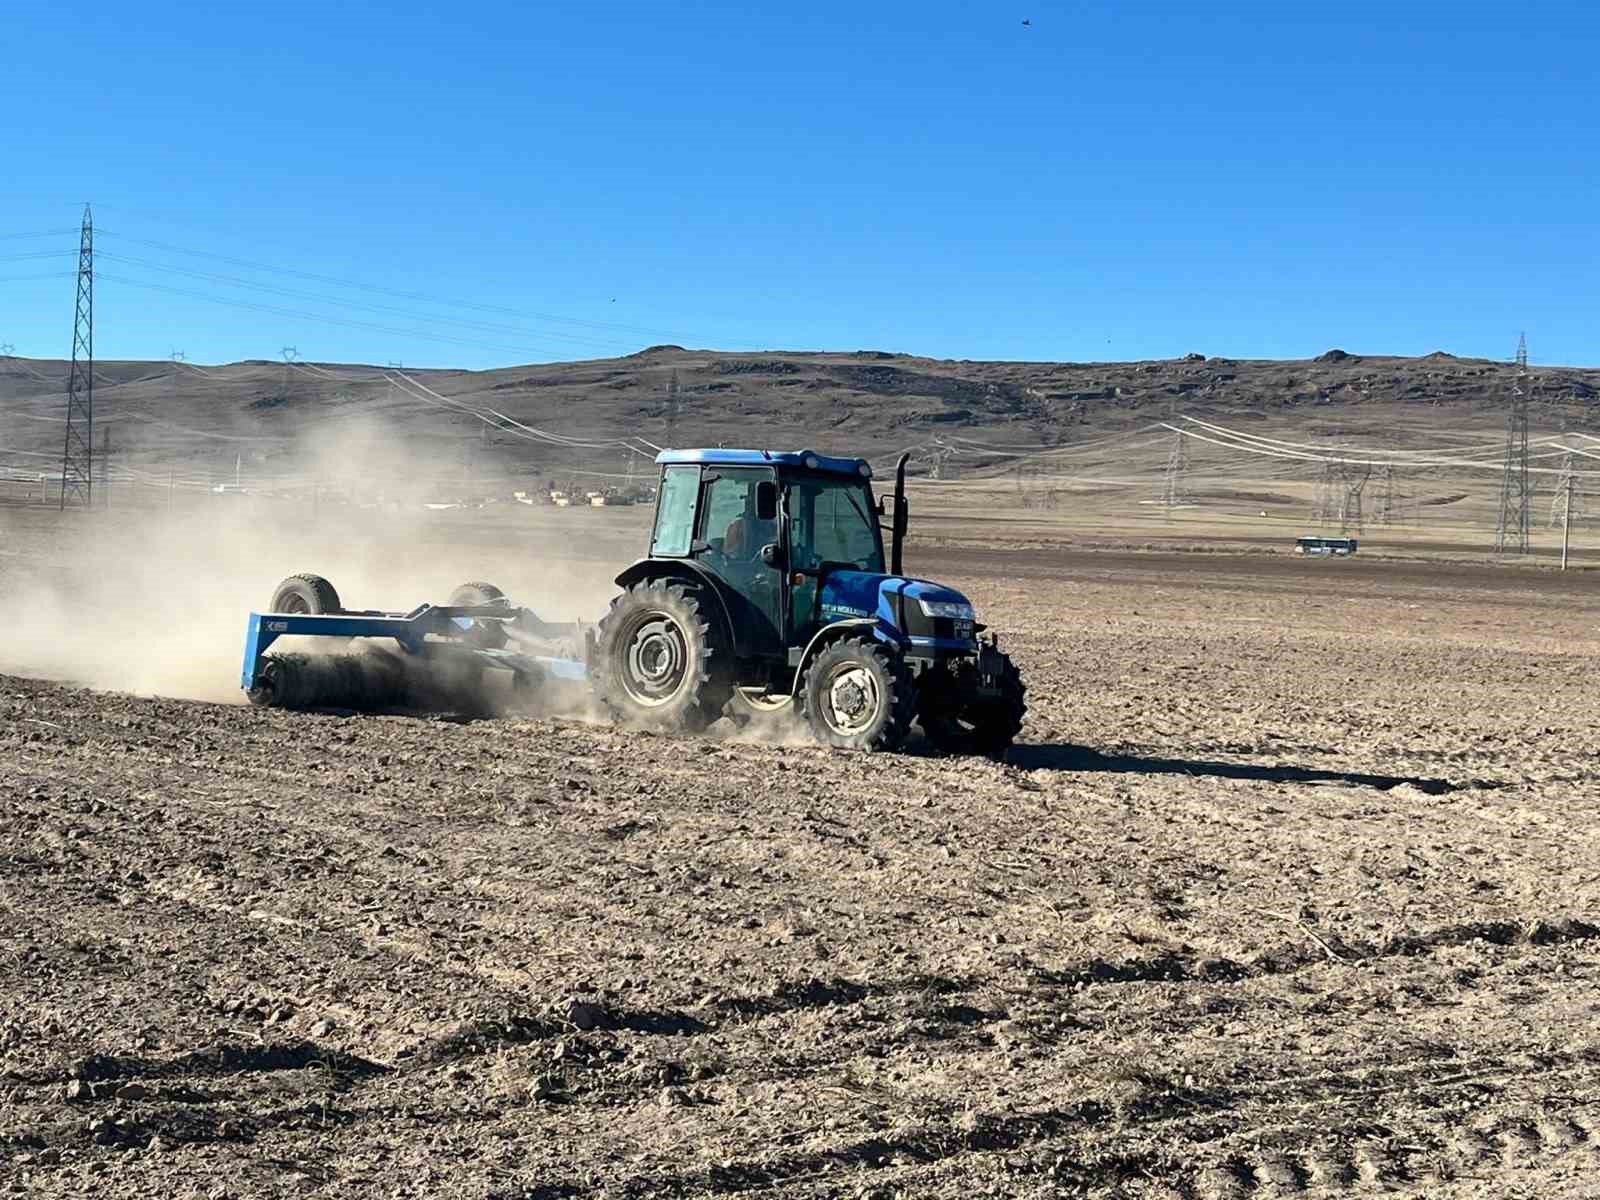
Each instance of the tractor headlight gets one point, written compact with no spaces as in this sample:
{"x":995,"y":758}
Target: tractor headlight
{"x":946,"y":610}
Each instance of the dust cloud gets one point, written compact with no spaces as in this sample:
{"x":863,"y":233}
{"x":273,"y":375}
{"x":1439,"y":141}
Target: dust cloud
{"x":151,"y":596}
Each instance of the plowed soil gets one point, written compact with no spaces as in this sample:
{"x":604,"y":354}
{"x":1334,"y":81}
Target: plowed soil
{"x":1293,"y":888}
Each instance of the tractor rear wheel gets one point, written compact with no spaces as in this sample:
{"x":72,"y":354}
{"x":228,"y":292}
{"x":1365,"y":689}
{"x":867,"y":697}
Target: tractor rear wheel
{"x":658,"y":653}
{"x":305,"y":595}
{"x":959,"y":720}
{"x":858,"y":695}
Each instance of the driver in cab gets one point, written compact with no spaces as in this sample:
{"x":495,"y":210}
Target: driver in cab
{"x":747,"y":533}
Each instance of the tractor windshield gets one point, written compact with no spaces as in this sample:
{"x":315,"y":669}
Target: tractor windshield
{"x":831,"y":520}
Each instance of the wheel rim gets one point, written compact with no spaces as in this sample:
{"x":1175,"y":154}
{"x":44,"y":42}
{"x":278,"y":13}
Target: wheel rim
{"x":293,"y":603}
{"x":851,"y":698}
{"x":656,"y":661}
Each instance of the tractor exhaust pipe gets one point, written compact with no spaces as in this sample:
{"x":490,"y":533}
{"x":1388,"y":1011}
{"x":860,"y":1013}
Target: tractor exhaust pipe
{"x":901,"y":518}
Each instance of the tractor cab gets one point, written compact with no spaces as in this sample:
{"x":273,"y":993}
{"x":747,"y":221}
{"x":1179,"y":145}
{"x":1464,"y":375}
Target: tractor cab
{"x":769,"y":528}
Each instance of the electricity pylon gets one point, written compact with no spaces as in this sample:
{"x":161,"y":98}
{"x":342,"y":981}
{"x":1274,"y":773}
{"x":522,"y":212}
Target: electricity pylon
{"x":77,"y":457}
{"x":1511,"y":531}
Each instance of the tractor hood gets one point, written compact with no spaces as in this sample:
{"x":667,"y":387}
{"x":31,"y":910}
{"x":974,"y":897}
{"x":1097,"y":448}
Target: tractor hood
{"x":927,"y":615}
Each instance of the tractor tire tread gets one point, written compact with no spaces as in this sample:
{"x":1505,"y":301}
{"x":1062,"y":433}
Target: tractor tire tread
{"x":1002,"y":719}
{"x":709,"y":693}
{"x":901,"y":689}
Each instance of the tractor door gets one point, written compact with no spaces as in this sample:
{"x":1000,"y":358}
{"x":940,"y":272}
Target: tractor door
{"x":732,"y":533}
{"x":831,"y":520}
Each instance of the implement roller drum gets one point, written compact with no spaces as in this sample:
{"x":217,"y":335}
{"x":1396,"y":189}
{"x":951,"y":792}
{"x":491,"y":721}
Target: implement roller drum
{"x":366,"y":682}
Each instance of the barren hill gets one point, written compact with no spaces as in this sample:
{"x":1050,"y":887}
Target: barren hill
{"x":261,"y":415}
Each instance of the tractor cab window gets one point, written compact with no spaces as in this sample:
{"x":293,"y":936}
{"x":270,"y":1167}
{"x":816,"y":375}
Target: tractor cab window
{"x":732,"y":526}
{"x":832,"y":520}
{"x":674,"y":535}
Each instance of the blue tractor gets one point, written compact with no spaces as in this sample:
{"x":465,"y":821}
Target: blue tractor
{"x":766,"y":588}
{"x":765,"y":592}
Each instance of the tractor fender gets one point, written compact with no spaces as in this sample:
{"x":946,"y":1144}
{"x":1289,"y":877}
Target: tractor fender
{"x":831,"y":633}
{"x":687,"y":570}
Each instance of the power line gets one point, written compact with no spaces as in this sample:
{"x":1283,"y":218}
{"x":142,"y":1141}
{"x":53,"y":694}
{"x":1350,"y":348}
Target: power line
{"x":1230,"y":440}
{"x":507,"y":424}
{"x":38,"y":233}
{"x":322,"y":318}
{"x":323,"y":298}
{"x":356,"y":285}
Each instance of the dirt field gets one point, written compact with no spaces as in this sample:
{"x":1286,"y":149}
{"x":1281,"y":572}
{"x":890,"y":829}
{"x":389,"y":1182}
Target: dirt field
{"x":1293,"y":888}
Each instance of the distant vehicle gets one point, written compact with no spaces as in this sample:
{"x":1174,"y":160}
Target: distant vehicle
{"x":1325,"y":545}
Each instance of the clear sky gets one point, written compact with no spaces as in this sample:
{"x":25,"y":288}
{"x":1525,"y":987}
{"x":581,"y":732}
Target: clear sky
{"x":1113,"y":180}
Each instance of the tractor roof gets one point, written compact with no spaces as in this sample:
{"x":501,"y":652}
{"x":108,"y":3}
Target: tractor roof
{"x":803,"y":459}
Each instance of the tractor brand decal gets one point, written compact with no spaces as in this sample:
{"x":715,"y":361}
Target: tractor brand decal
{"x":277,"y":626}
{"x":844,"y":610}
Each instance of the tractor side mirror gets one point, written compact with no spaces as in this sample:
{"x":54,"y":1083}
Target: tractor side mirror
{"x":772,"y":555}
{"x":766,"y":501}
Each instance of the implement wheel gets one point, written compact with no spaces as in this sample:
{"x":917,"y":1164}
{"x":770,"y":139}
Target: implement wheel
{"x":858,"y":695}
{"x":476,"y":595}
{"x":657,"y":657}
{"x":959,"y":719}
{"x":305,"y":595}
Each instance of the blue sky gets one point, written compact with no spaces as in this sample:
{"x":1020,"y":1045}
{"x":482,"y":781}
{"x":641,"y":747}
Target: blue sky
{"x":1113,"y":181}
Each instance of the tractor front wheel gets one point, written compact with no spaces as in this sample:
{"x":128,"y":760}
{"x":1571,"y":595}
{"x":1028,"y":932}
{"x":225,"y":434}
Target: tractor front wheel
{"x":960,"y":719}
{"x":658,"y":653}
{"x":858,"y":695}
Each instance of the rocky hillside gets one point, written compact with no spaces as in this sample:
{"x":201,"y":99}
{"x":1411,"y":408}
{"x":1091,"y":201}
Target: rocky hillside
{"x":162,"y":414}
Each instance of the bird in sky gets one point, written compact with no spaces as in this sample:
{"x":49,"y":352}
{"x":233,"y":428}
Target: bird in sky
{"x":1027,"y":22}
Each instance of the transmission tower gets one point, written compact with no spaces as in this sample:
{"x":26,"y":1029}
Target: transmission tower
{"x":1329,"y":495}
{"x":1385,"y":504}
{"x":290,"y":354}
{"x":104,"y":462}
{"x":937,"y":455}
{"x":1511,"y":531}
{"x":1566,"y":506}
{"x":1174,"y":481}
{"x":672,"y":411}
{"x":77,"y":457}
{"x":1353,"y":478}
